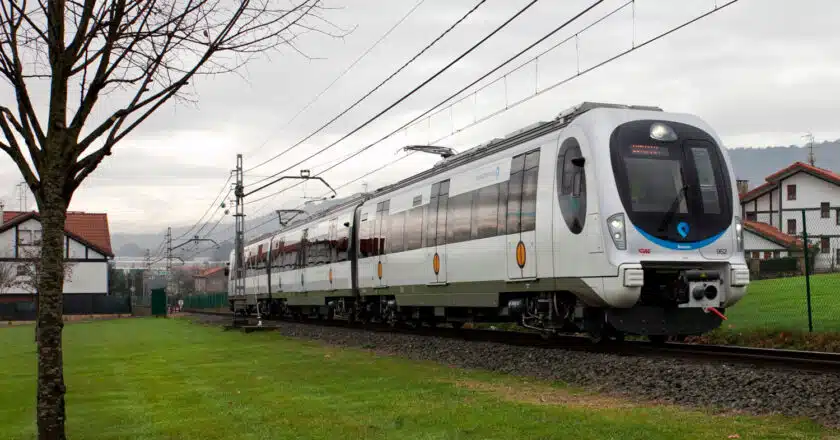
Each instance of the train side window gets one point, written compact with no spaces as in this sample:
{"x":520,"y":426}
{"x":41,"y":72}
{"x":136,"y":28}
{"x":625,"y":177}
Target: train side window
{"x":571,"y":185}
{"x":342,"y":243}
{"x":458,"y":218}
{"x":528,"y":213}
{"x":522,"y":193}
{"x":396,"y":232}
{"x":431,"y":218}
{"x":442,"y":208}
{"x":485,"y":212}
{"x":501,"y":219}
{"x":414,"y":228}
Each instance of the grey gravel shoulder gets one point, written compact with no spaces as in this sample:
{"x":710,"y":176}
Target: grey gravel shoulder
{"x":720,"y":385}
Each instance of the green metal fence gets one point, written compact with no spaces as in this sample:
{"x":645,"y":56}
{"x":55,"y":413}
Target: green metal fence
{"x":206,"y":301}
{"x":794,"y":287}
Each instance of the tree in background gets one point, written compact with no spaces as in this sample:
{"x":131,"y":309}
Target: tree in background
{"x":141,"y":54}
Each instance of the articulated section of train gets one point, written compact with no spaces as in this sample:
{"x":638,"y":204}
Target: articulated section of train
{"x":609,"y":220}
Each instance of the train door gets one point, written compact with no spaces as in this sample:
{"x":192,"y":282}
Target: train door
{"x":522,"y":216}
{"x":354,"y":252}
{"x":436,"y":232}
{"x":381,"y":232}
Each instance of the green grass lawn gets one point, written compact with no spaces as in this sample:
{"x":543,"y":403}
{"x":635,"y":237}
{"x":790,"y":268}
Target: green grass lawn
{"x":781,"y":304}
{"x":171,"y":379}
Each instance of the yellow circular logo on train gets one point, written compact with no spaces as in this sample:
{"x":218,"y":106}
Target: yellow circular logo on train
{"x":520,"y":255}
{"x":436,"y":263}
{"x":379,"y":270}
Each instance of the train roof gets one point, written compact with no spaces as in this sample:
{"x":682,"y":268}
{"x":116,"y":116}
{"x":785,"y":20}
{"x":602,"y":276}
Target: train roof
{"x":493,"y":146}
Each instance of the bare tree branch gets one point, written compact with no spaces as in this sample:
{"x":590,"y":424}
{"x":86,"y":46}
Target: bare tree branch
{"x":141,"y":54}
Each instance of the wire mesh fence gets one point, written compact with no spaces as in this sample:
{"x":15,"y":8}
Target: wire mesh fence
{"x":206,"y":301}
{"x":794,"y":287}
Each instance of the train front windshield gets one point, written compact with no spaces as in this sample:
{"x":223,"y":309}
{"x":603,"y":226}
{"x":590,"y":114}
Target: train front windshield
{"x":672,"y":180}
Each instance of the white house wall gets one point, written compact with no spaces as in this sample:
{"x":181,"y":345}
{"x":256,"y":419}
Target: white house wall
{"x":89,"y":277}
{"x":81,"y":277}
{"x":754,"y":242}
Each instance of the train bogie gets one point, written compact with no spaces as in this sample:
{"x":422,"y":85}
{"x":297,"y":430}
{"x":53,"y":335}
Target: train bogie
{"x":608,"y":220}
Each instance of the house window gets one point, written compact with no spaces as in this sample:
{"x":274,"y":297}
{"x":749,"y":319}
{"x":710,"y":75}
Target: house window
{"x":824,"y":210}
{"x":24,"y":237}
{"x":767,"y":255}
{"x":22,"y":270}
{"x":825,"y":244}
{"x":837,"y":216}
{"x":36,"y":237}
{"x":777,"y":254}
{"x":791,"y":226}
{"x":752,"y":216}
{"x":791,"y":192}
{"x":837,"y":255}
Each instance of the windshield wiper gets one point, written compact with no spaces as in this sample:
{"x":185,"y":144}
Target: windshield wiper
{"x":674,"y":206}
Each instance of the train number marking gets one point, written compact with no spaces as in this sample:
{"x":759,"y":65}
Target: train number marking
{"x":520,"y":255}
{"x":723,"y":251}
{"x":644,"y":251}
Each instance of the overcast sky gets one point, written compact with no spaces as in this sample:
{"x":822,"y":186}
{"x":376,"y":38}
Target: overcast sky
{"x":762,"y":72}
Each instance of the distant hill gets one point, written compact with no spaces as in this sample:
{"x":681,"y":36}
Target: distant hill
{"x":753,"y":164}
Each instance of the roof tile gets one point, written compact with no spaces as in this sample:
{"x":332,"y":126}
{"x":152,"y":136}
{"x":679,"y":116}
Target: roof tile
{"x":773,"y":234}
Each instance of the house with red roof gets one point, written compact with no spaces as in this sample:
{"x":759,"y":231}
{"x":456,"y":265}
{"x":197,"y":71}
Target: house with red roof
{"x":212,"y":280}
{"x":773,"y":213}
{"x":87,"y":251}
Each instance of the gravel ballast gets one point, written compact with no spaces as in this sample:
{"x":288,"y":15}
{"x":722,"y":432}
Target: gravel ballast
{"x":720,"y":385}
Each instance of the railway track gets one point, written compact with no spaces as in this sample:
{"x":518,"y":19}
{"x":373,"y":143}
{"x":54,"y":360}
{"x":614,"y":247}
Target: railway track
{"x":825,"y":362}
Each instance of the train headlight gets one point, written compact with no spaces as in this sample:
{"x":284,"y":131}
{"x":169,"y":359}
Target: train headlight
{"x":615,"y":224}
{"x":662,"y":132}
{"x":739,"y":235}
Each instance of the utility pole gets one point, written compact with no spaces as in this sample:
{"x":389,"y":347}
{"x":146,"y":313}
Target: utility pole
{"x":239,"y":300}
{"x":810,"y":137}
{"x":168,"y":259}
{"x":147,"y":273}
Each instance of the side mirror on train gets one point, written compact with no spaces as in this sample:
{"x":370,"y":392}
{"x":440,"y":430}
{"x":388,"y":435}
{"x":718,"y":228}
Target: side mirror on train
{"x":578,"y":161}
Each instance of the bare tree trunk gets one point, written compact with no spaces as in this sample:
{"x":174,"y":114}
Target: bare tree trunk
{"x":51,"y":389}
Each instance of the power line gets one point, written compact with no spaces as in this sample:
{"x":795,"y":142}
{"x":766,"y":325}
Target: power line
{"x":213,"y":203}
{"x":515,"y":104}
{"x":508,"y":61}
{"x":635,"y":47}
{"x":439,"y":37}
{"x":341,"y":75}
{"x":406,"y":96}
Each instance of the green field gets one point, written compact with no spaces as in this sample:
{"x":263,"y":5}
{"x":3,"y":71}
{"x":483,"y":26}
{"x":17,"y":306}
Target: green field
{"x":781,"y":304}
{"x":150,"y":378}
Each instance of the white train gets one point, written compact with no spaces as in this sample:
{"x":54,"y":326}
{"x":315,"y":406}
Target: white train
{"x":608,"y":220}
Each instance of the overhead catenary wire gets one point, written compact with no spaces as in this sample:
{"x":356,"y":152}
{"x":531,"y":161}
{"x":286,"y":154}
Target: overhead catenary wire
{"x":605,"y":62}
{"x":213,"y":203}
{"x":344,"y":72}
{"x":441,"y":103}
{"x":366,"y":95}
{"x":412,"y":92}
{"x":517,"y":103}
